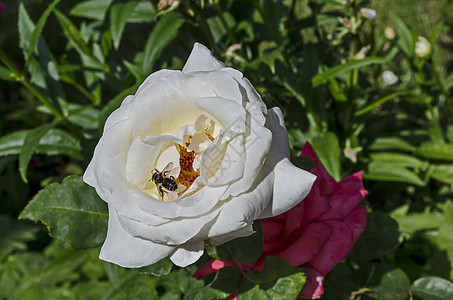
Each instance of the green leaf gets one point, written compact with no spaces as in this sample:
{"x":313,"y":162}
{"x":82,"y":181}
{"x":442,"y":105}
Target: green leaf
{"x":92,"y":9}
{"x":379,"y":102}
{"x":161,"y":268}
{"x":443,"y":173}
{"x":72,"y":212}
{"x":384,"y":171}
{"x":14,"y":234}
{"x":29,"y":146}
{"x":277,"y":280}
{"x":341,"y":69}
{"x":441,"y":152}
{"x":163,"y":33}
{"x":144,"y":12}
{"x":432,"y":288}
{"x":397,"y":159}
{"x":385,"y":282}
{"x":55,"y":141}
{"x":417,"y":221}
{"x":328,"y":150}
{"x":226,"y":279}
{"x":380,"y":236}
{"x":246,"y":249}
{"x":25,"y":26}
{"x":405,"y":39}
{"x":119,"y":14}
{"x":303,"y":162}
{"x":448,"y":82}
{"x":6,"y":74}
{"x":38,"y":29}
{"x":385,"y":143}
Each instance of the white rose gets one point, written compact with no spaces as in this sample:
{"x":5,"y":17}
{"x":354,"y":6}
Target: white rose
{"x":226,"y":157}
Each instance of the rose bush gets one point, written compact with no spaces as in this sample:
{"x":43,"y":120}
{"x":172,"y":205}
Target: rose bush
{"x":316,"y":234}
{"x":208,"y":132}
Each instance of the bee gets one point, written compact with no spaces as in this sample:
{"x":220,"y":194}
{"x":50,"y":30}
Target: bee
{"x":163,"y":183}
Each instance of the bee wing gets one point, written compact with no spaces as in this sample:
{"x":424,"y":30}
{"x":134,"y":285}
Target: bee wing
{"x":167,"y":168}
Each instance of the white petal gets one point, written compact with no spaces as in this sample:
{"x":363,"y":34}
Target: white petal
{"x":176,"y":232}
{"x":291,"y":184}
{"x":142,"y":156}
{"x":250,"y":93}
{"x":231,"y":167}
{"x":224,"y":85}
{"x":246,"y":231}
{"x":127,"y":251}
{"x":187,"y":254}
{"x":229,"y":113}
{"x":119,"y":135}
{"x":155,"y":76}
{"x":166,"y":104}
{"x":257,"y":144}
{"x":239,"y":212}
{"x":201,"y":59}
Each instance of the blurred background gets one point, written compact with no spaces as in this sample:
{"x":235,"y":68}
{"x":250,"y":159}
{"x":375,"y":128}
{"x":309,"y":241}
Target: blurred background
{"x":367,"y":83}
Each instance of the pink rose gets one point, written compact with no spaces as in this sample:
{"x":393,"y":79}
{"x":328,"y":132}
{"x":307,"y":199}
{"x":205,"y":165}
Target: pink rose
{"x":317,"y":233}
{"x":1,"y":9}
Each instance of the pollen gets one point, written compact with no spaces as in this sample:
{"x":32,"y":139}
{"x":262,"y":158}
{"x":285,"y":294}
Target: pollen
{"x":187,"y":174}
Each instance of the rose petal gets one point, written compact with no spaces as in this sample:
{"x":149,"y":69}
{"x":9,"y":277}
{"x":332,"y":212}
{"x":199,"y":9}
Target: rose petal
{"x":196,"y":204}
{"x":258,"y":141}
{"x":176,"y":232}
{"x":127,"y":251}
{"x":242,"y":232}
{"x":239,"y":212}
{"x":161,"y":107}
{"x":313,"y":286}
{"x":231,"y":167}
{"x":315,"y":204}
{"x":328,"y":184}
{"x":308,"y":244}
{"x":249,"y":91}
{"x":341,"y":241}
{"x":230,"y":114}
{"x":345,"y":199}
{"x":224,"y":84}
{"x":210,"y":267}
{"x":142,"y":157}
{"x":187,"y":254}
{"x":201,"y":59}
{"x":118,"y":133}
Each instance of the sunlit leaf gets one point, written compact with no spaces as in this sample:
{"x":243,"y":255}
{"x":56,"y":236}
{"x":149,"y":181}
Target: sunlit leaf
{"x":328,"y":150}
{"x":432,"y":288}
{"x":72,"y":211}
{"x":119,"y":14}
{"x":163,"y":33}
{"x":341,"y":69}
{"x":29,"y":146}
{"x":92,"y":9}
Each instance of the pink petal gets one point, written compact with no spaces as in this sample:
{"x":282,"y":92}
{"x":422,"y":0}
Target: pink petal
{"x":210,"y":267}
{"x":315,"y":204}
{"x":307,"y":245}
{"x":341,"y":241}
{"x":328,"y":184}
{"x":313,"y":286}
{"x":344,"y":200}
{"x":271,"y":233}
{"x":293,"y":220}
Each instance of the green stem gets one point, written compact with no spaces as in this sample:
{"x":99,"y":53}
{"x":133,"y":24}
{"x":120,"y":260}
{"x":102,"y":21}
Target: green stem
{"x":21,"y":78}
